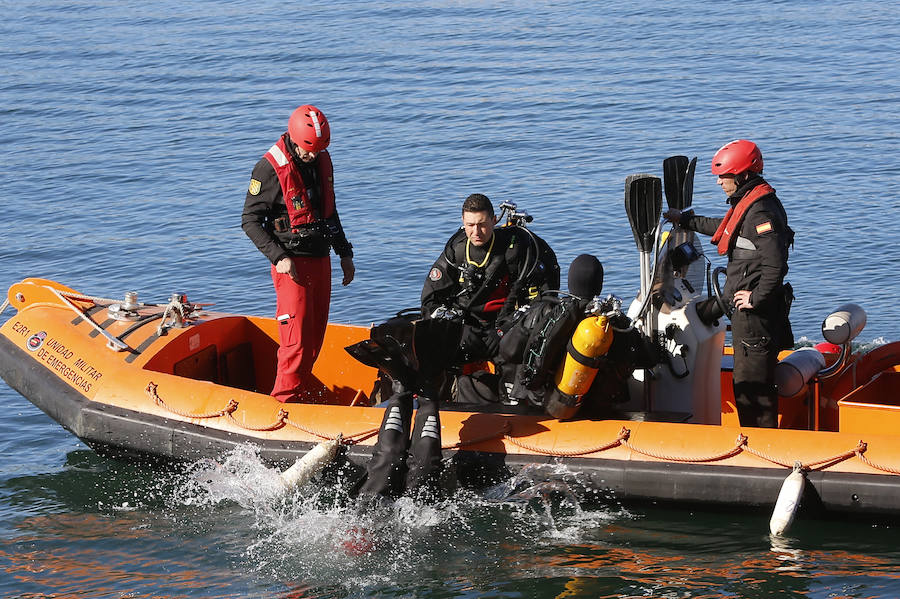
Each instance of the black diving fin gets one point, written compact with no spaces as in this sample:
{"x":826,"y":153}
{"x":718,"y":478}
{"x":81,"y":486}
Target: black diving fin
{"x":386,"y":355}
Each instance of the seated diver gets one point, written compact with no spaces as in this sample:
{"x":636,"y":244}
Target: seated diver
{"x":484,"y":273}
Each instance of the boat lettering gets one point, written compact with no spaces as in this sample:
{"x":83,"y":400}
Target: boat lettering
{"x":60,"y":349}
{"x":87,"y":369}
{"x":63,"y":369}
{"x":20,"y":328}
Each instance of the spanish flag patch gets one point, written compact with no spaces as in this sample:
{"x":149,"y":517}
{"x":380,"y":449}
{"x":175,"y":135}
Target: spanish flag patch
{"x":764,"y":227}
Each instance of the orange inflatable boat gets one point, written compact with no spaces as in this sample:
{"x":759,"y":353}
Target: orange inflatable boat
{"x":178,"y":381}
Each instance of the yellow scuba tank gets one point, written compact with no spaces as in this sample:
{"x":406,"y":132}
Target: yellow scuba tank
{"x":576,"y":374}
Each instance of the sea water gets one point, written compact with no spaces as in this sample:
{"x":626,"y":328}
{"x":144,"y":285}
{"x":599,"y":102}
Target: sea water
{"x":129,"y":131}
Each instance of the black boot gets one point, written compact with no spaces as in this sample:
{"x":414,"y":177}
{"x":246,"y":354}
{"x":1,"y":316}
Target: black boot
{"x":425,"y":455}
{"x":386,"y":471}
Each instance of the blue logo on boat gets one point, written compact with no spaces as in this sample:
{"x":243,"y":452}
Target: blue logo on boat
{"x":36,"y":340}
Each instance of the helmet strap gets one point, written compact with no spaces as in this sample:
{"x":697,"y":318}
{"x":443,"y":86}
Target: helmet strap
{"x":290,"y":145}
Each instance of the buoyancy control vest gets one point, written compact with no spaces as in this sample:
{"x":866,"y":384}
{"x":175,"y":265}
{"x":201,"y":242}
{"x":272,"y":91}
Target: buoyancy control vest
{"x":553,"y":353}
{"x":537,"y":337}
{"x":534,"y":344}
{"x":518,"y":266}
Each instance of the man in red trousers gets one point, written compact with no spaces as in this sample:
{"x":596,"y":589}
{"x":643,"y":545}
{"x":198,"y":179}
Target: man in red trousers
{"x":290,"y":215}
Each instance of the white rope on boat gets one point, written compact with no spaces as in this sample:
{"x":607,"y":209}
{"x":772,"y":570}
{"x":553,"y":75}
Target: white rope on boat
{"x":79,"y":296}
{"x":175,"y":314}
{"x":4,"y":306}
{"x":111,"y":341}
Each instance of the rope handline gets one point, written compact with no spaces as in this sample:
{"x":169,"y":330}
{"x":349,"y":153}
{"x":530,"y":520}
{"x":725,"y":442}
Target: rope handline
{"x":623,"y":439}
{"x":279,"y":422}
{"x":671,"y":458}
{"x":864,"y":460}
{"x":228,"y":409}
{"x":837,"y":459}
{"x":358,"y":437}
{"x":282,"y":419}
{"x":825,"y":463}
{"x":351,"y":439}
{"x":742,"y":442}
{"x":623,"y":434}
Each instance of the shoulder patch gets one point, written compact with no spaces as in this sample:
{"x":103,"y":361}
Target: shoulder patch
{"x":435,"y":274}
{"x":255,"y":186}
{"x":764,"y":227}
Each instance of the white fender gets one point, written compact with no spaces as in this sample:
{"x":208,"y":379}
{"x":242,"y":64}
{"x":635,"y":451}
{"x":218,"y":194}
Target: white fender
{"x":788,"y":502}
{"x":311,"y":463}
{"x":796,"y":370}
{"x":844,"y":324}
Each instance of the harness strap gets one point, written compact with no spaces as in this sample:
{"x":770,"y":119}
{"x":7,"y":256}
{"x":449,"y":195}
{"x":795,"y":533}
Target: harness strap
{"x":583,"y":359}
{"x":735,"y":216}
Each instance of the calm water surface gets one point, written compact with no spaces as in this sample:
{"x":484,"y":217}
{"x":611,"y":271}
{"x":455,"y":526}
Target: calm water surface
{"x":128,"y":134}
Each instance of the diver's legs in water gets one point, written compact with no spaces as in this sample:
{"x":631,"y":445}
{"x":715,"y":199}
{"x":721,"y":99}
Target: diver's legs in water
{"x":386,"y":471}
{"x":425,"y":455}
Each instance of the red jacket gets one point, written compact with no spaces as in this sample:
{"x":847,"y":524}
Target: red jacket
{"x":299,"y":208}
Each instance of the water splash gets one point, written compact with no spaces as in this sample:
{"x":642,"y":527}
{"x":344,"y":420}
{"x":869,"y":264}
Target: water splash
{"x":559,"y":503}
{"x":320,"y":535}
{"x":242,"y":478}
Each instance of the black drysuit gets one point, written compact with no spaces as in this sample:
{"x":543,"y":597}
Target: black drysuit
{"x":757,"y":261}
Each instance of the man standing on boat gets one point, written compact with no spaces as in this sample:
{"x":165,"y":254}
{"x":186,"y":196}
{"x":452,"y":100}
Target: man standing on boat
{"x":290,"y":215}
{"x":755,"y":236}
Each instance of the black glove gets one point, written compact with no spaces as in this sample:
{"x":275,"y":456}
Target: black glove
{"x":478,"y":344}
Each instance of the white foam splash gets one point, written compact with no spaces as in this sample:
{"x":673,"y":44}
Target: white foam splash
{"x":242,"y":478}
{"x":318,"y":535}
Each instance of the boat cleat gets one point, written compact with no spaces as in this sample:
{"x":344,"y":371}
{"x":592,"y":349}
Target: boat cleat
{"x":127,"y":310}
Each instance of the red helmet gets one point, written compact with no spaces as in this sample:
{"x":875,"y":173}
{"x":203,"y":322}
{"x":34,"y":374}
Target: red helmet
{"x":736,"y":157}
{"x":309,"y":129}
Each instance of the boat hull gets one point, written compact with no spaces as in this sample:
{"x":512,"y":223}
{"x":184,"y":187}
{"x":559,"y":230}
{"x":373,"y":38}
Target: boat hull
{"x":106,"y":427}
{"x":200,"y":389}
